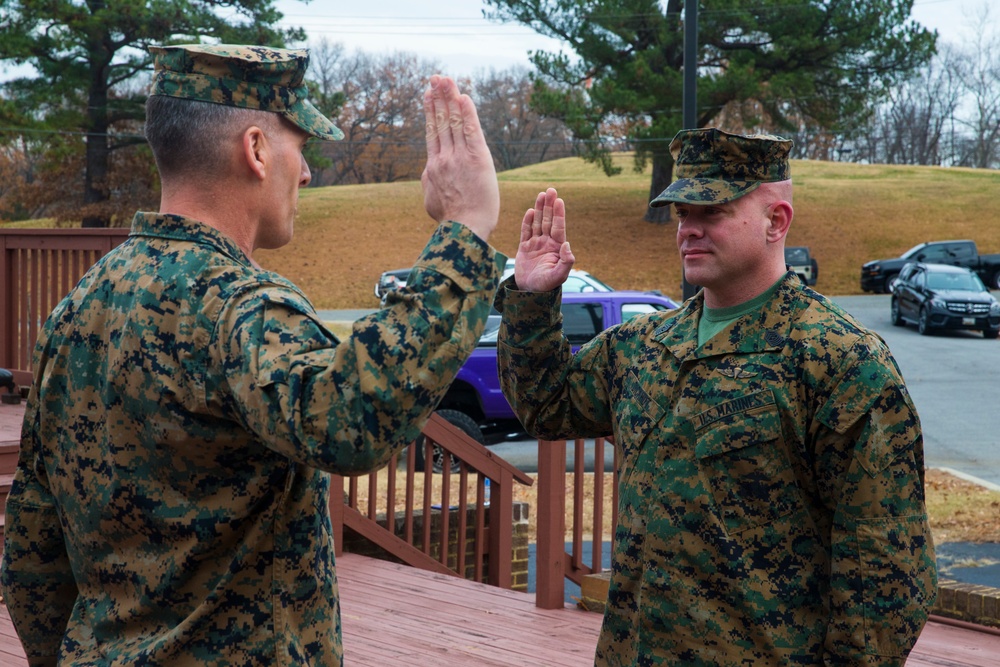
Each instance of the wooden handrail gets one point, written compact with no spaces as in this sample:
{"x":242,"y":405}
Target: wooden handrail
{"x":38,"y":267}
{"x":451,"y":520}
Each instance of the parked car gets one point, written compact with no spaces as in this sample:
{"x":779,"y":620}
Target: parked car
{"x":798,"y":259}
{"x":878,"y":276}
{"x":940,"y":296}
{"x":475,"y":393}
{"x":389,"y":281}
{"x":577,"y":281}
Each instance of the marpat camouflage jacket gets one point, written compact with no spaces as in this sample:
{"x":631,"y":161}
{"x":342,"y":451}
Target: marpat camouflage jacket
{"x":171,"y":502}
{"x":771,"y":499}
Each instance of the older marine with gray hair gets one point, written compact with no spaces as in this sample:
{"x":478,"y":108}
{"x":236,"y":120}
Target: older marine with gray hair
{"x":770,"y":460}
{"x":171,"y":501}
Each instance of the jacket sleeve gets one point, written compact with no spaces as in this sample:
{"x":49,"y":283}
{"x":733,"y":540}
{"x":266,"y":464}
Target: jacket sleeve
{"x":554,"y":393}
{"x":870,"y":467}
{"x":346,"y":407}
{"x":35,"y":574}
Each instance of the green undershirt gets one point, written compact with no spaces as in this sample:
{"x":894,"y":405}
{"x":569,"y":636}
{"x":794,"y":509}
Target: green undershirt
{"x":714,"y":320}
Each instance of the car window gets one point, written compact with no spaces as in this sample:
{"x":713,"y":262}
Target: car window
{"x":599,"y":285}
{"x":796,"y":256}
{"x":936,"y":253}
{"x":582,"y":321}
{"x":630,"y":310}
{"x":954,"y":281}
{"x":961,"y":250}
{"x":577,"y":284}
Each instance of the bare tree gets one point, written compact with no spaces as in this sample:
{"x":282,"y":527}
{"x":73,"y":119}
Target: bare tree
{"x":911,"y":126}
{"x":380,"y":112}
{"x":980,"y":77}
{"x":517,"y":136}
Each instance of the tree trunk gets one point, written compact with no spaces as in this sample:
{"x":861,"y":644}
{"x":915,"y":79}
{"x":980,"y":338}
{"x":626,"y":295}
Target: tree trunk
{"x":663,"y":171}
{"x":98,"y":154}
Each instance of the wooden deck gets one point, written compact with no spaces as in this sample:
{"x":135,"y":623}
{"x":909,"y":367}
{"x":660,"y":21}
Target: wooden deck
{"x":394,"y":615}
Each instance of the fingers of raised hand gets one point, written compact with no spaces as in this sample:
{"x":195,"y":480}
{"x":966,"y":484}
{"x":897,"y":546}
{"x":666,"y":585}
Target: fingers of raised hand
{"x":558,"y":226}
{"x":526,"y":225}
{"x":430,"y":118}
{"x":547,"y":212}
{"x":442,"y":113}
{"x":538,"y":215}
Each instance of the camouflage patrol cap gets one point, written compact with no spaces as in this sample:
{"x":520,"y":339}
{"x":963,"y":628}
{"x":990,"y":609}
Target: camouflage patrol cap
{"x":715,"y":167}
{"x":251,"y":77}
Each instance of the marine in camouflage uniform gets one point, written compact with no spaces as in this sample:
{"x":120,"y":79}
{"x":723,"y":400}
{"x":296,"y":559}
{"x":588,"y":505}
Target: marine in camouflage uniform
{"x":771,"y":499}
{"x":171,"y":503}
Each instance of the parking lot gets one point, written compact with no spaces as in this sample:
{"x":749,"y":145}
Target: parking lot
{"x":954,"y":379}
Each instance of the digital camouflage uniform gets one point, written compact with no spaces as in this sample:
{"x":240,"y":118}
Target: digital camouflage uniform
{"x":171,"y":502}
{"x":771,"y":499}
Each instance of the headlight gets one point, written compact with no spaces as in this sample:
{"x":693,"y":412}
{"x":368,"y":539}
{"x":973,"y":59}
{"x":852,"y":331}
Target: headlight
{"x":995,"y":308}
{"x":939,"y":303}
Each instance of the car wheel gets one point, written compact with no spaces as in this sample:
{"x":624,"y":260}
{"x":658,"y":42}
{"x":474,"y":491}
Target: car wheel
{"x":894,"y":313}
{"x":924,"y":323}
{"x":991,"y":333}
{"x":464,"y":422}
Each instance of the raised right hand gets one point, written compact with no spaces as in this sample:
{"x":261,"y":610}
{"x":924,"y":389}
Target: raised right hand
{"x":460,"y":181}
{"x":544,"y":257}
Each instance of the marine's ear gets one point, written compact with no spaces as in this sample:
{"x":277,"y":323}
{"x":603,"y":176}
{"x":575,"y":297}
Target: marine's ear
{"x":255,"y":150}
{"x":779,"y":220}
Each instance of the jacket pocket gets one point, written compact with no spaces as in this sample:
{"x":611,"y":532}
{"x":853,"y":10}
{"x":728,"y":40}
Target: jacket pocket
{"x":742,"y":459}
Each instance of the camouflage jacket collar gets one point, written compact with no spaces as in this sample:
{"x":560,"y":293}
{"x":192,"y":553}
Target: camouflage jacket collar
{"x":179,"y":228}
{"x":766,"y":329}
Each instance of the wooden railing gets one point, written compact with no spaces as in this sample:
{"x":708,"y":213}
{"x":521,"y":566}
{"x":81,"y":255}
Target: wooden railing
{"x":38,"y":267}
{"x":409,"y":514}
{"x":554,"y":563}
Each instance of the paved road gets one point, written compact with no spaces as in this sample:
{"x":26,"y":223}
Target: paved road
{"x":954,"y":379}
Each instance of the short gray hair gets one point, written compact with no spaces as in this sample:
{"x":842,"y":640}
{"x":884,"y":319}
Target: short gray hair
{"x":189,"y":136}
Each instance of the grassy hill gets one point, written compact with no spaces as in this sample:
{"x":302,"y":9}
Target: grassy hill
{"x":846,"y":213}
{"x":346,"y":236}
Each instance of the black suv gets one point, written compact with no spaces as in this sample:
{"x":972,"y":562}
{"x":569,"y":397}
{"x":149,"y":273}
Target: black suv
{"x":940,"y":296}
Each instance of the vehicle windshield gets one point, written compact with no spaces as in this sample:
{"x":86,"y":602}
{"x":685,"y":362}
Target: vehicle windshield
{"x":968,"y":282}
{"x":796,"y":256}
{"x":913,"y":251}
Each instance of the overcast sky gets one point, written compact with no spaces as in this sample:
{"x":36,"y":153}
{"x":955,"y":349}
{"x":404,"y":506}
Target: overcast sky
{"x":455,"y":34}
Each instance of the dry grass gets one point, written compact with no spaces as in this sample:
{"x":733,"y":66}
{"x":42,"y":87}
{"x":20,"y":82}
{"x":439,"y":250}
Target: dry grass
{"x":959,"y":511}
{"x":846,"y":213}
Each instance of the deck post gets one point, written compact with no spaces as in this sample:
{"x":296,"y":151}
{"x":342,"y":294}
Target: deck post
{"x":550,"y":547}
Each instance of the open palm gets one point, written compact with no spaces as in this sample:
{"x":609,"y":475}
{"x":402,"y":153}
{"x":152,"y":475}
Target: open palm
{"x":544,"y":257}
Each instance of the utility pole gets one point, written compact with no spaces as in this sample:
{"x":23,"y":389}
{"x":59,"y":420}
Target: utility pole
{"x":690,"y":100}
